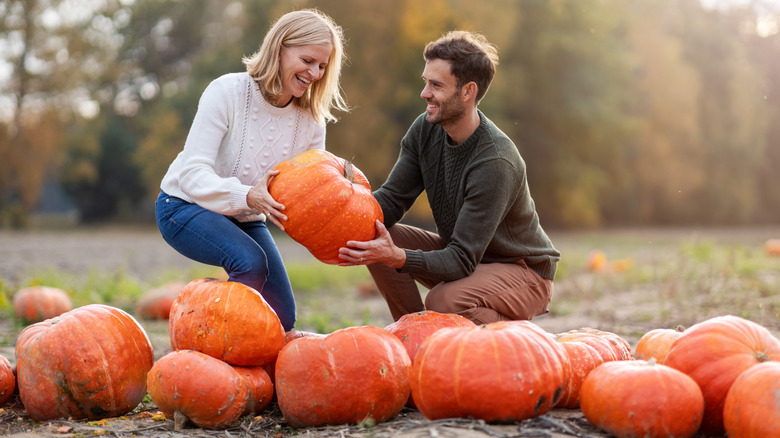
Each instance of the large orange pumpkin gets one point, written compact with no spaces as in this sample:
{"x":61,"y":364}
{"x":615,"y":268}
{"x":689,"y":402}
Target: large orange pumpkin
{"x":90,"y":362}
{"x":714,"y":353}
{"x":502,"y":371}
{"x":642,"y":399}
{"x":156,"y":303}
{"x":189,"y":385}
{"x":226,"y":320}
{"x":7,"y":380}
{"x":752,"y":406}
{"x":656,"y":343}
{"x":352,"y":375}
{"x":583,"y":359}
{"x":36,"y":303}
{"x":328,"y":201}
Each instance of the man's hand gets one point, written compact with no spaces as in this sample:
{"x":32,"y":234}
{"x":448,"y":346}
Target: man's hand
{"x":380,"y":250}
{"x":259,"y":199}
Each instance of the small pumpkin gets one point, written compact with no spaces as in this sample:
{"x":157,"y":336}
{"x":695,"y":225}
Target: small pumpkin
{"x":714,"y":353}
{"x":596,"y":261}
{"x":226,"y":320}
{"x":656,"y":343}
{"x":261,"y":389}
{"x":156,"y":303}
{"x":751,"y":409}
{"x":352,"y":375}
{"x":583,"y":359}
{"x":37,"y":303}
{"x":642,"y":399}
{"x":90,"y":362}
{"x":328,"y":201}
{"x":474,"y":372}
{"x":608,"y":344}
{"x":772,"y":247}
{"x":7,"y":380}
{"x":189,"y":385}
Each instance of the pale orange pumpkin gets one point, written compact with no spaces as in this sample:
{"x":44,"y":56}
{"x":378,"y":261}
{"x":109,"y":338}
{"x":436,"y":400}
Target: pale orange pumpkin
{"x":37,"y":303}
{"x":156,"y":303}
{"x":7,"y":380}
{"x":656,"y":343}
{"x":751,"y":409}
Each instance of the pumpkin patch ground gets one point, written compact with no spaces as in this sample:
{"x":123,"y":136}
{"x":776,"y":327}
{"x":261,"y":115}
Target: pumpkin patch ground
{"x":679,"y":277}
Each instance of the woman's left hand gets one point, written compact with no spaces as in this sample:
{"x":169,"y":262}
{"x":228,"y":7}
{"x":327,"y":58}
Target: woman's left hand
{"x":259,"y":199}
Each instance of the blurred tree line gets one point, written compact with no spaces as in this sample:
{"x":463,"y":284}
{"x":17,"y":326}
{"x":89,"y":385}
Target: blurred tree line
{"x":627,"y":112}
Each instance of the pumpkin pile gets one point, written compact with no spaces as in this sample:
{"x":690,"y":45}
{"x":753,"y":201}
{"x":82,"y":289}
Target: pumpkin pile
{"x":328,"y":201}
{"x":222,"y":334}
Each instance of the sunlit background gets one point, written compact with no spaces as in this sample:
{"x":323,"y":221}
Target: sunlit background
{"x":627,"y":112}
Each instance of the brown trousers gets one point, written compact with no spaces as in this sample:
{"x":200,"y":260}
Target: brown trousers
{"x":493,"y":292}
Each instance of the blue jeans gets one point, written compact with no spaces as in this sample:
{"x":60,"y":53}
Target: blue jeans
{"x":245,"y":250}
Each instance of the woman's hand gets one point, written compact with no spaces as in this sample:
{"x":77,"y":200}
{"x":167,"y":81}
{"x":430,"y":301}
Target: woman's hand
{"x":259,"y":199}
{"x":380,"y":250}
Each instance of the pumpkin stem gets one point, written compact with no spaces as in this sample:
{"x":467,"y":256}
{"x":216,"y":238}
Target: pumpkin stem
{"x":179,"y":420}
{"x":349,"y":171}
{"x":761,"y":356}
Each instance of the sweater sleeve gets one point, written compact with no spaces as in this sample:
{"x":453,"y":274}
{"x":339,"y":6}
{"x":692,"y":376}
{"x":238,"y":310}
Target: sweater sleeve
{"x":198,"y":178}
{"x":491,"y":189}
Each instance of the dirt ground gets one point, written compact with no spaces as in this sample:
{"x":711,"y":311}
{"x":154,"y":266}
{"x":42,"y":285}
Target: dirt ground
{"x":143,"y":253}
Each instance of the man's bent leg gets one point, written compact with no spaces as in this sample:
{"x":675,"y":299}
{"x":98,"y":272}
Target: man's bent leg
{"x":493,"y":292}
{"x":400,"y":289}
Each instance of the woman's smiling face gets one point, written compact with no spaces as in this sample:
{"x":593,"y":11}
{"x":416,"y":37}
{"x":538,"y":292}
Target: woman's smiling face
{"x":301,"y":66}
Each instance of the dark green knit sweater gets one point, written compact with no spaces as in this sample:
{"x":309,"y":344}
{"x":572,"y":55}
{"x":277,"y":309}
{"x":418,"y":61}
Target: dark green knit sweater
{"x":478,"y":193}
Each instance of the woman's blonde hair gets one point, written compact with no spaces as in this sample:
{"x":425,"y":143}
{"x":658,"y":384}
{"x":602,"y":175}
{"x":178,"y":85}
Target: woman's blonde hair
{"x":298,"y":28}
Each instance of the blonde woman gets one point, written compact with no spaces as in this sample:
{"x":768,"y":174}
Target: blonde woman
{"x":214,"y":202}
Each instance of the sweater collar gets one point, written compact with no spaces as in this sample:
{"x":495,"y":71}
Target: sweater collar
{"x":473,"y":138}
{"x":266,"y":106}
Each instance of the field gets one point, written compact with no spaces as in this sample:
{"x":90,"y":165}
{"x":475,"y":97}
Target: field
{"x":652,"y":278}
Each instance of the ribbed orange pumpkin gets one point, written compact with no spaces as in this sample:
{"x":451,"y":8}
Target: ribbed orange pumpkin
{"x":90,"y":362}
{"x":413,"y":328}
{"x":608,"y":344}
{"x":752,"y":408}
{"x":7,"y":380}
{"x":37,"y":303}
{"x":714,"y":353}
{"x":327,"y":200}
{"x":349,"y":376}
{"x":191,"y":385}
{"x":261,"y":388}
{"x":583,"y":359}
{"x":642,"y":399}
{"x":226,"y":320}
{"x":502,"y":371}
{"x":656,"y":343}
{"x":156,"y":303}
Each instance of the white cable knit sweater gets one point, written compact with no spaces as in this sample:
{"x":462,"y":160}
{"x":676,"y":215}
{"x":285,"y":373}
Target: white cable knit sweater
{"x":235,"y":138}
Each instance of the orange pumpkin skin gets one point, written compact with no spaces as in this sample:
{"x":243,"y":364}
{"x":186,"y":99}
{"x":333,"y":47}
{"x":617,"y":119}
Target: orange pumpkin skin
{"x":772,"y":247}
{"x":413,"y":328}
{"x":7,"y":380}
{"x":499,"y":372}
{"x":90,"y":362}
{"x":714,"y":353}
{"x":583,"y":359}
{"x":261,"y":389}
{"x":346,"y":377}
{"x":642,"y":399}
{"x":656,"y":344}
{"x":156,"y":303}
{"x":205,"y":390}
{"x":752,"y":407}
{"x":226,"y":320}
{"x":327,"y":202}
{"x":609,"y":345}
{"x":37,"y":303}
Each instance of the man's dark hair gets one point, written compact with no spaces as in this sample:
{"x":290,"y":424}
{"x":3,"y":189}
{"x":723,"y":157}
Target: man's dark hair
{"x":471,"y":57}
